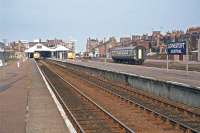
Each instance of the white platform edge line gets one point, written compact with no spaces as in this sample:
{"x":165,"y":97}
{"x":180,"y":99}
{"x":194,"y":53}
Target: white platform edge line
{"x":59,"y":106}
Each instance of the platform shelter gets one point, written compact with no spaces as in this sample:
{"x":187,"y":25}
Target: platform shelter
{"x":43,"y":50}
{"x":60,"y":52}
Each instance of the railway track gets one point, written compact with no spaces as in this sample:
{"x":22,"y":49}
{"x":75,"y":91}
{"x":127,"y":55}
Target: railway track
{"x":177,"y":116}
{"x":85,"y":115}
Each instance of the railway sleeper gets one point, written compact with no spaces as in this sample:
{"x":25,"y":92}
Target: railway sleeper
{"x":91,"y":120}
{"x":94,"y":126}
{"x":88,"y":114}
{"x":80,"y":110}
{"x":102,"y":131}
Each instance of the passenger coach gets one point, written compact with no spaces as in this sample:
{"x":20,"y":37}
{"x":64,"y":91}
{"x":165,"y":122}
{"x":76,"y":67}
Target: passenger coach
{"x":131,"y":55}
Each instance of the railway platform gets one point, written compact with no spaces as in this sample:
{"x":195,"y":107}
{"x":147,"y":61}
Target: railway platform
{"x":26,"y":105}
{"x":176,"y":85}
{"x":179,"y":77}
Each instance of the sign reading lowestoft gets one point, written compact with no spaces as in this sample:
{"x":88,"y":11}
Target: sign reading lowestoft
{"x":176,"y":48}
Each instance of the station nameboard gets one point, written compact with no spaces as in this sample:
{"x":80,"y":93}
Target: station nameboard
{"x":176,"y":48}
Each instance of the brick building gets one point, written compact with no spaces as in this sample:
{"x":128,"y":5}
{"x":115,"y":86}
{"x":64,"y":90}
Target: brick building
{"x":194,"y":34}
{"x":102,"y":49}
{"x":70,"y":44}
{"x":125,"y":40}
{"x":112,"y":42}
{"x":54,"y":42}
{"x":18,"y":48}
{"x":91,"y":43}
{"x":136,"y":37}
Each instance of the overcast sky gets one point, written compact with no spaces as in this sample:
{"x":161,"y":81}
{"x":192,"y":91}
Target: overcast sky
{"x":31,"y":19}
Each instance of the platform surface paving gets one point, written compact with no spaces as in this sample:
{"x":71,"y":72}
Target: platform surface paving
{"x":175,"y":76}
{"x":26,"y":105}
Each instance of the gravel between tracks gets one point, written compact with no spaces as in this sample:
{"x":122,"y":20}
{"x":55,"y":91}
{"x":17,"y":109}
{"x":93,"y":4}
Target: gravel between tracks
{"x":130,"y":115}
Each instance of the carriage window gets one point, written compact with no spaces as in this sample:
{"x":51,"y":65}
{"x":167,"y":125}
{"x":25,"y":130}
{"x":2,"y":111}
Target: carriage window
{"x":134,"y":52}
{"x":129,"y":52}
{"x":139,"y":53}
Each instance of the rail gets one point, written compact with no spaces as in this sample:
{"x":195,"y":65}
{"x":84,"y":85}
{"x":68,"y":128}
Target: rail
{"x":122,"y":125}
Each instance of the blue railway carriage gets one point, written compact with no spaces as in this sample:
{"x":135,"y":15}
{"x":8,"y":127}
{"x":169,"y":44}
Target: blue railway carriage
{"x":130,"y":55}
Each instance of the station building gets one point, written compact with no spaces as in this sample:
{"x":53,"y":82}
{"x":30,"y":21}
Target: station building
{"x":58,"y":51}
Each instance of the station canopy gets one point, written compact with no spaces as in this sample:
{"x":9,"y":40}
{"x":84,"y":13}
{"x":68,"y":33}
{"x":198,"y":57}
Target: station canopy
{"x":60,"y":48}
{"x":40,"y":47}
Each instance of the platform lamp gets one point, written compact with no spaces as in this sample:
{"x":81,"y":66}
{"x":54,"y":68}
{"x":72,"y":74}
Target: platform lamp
{"x":188,"y":36}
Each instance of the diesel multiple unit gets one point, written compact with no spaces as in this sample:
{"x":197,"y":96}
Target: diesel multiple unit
{"x":131,"y":55}
{"x":36,"y":55}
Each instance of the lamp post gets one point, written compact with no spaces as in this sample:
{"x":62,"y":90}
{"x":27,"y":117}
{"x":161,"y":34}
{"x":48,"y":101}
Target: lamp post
{"x":187,"y":51}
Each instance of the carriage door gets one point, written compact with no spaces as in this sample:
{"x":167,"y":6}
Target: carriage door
{"x":139,"y":53}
